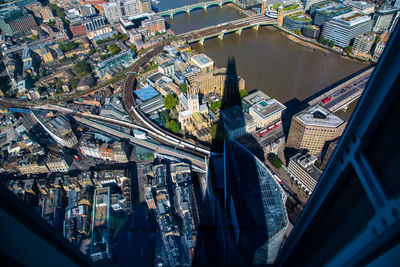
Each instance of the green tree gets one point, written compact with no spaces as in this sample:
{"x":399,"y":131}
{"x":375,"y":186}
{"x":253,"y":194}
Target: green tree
{"x":170,"y":101}
{"x":275,"y":161}
{"x":183,"y":87}
{"x":216,"y":105}
{"x":243,"y":93}
{"x":331,"y":44}
{"x":348,"y":50}
{"x":173,"y":126}
{"x":82,"y":68}
{"x":74,"y":83}
{"x":213,"y":130}
{"x":91,"y":51}
{"x":298,"y":32}
{"x":113,"y":49}
{"x":321,"y":39}
{"x":67,"y":46}
{"x":34,"y":37}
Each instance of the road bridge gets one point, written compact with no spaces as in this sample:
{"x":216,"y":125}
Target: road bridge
{"x":197,"y":161}
{"x":189,"y":8}
{"x":343,"y":94}
{"x":222,"y":29}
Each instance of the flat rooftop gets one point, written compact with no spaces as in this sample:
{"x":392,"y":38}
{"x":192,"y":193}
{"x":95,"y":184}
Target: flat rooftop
{"x":202,"y":60}
{"x":146,"y":93}
{"x":306,"y":162}
{"x":267,"y":107}
{"x":236,"y":117}
{"x":353,"y":18}
{"x":320,"y":117}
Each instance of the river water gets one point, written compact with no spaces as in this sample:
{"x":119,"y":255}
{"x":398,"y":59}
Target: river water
{"x":266,"y":59}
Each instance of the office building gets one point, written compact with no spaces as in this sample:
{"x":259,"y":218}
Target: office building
{"x":344,"y":28}
{"x":87,"y":10}
{"x":93,"y":23}
{"x":264,"y":110}
{"x":379,"y":50}
{"x":364,"y":7}
{"x":56,"y":164}
{"x":383,"y":18}
{"x":122,"y":59}
{"x":326,"y":10}
{"x":154,"y":24}
{"x":304,"y":172}
{"x":115,"y":10}
{"x":215,"y":81}
{"x":46,"y":13}
{"x":15,"y":20}
{"x":307,"y":3}
{"x":255,"y":205}
{"x":31,"y":165}
{"x":237,"y":122}
{"x":312,"y":128}
{"x":297,"y":21}
{"x":57,"y":127}
{"x":311,"y":31}
{"x":202,"y":61}
{"x":363,"y":43}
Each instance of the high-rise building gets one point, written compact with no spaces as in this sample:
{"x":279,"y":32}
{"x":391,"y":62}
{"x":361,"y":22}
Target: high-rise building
{"x":304,"y":172}
{"x":363,"y":43}
{"x":383,"y":18}
{"x":313,"y":127}
{"x":115,"y":10}
{"x":325,"y":11}
{"x":255,"y":205}
{"x":94,"y":23}
{"x":237,"y":122}
{"x":344,"y":28}
{"x":307,"y":3}
{"x":364,"y":7}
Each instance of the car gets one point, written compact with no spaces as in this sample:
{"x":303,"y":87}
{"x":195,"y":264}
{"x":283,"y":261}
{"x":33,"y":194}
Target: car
{"x":76,"y":157}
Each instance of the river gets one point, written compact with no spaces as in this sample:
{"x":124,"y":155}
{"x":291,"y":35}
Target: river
{"x":266,"y":59}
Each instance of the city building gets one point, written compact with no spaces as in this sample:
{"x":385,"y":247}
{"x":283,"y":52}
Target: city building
{"x":87,"y":10}
{"x":78,"y":29}
{"x":90,"y":146}
{"x":215,"y":82}
{"x":344,"y":28}
{"x":364,"y":7}
{"x":154,"y":24}
{"x":56,"y":164}
{"x":327,"y":10}
{"x":167,"y":68}
{"x":383,"y":18}
{"x":150,"y":101}
{"x":311,"y":31}
{"x":202,"y":61}
{"x":237,"y":122}
{"x":255,"y":205}
{"x":308,"y":3}
{"x":123,"y":59}
{"x":329,"y":152}
{"x":379,"y":50}
{"x":304,"y":172}
{"x":264,"y":110}
{"x":115,"y":10}
{"x":31,"y":165}
{"x":100,"y":246}
{"x":46,"y":13}
{"x":312,"y":128}
{"x":297,"y":21}
{"x":57,"y":127}
{"x":93,"y":23}
{"x":15,"y":20}
{"x":363,"y":43}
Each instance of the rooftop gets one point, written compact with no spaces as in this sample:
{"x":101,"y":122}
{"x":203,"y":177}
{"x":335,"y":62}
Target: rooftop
{"x":353,"y":18}
{"x":301,"y":17}
{"x":318,"y":116}
{"x":306,"y":162}
{"x":235,"y":117}
{"x":202,"y":60}
{"x":146,"y":93}
{"x":266,"y":108}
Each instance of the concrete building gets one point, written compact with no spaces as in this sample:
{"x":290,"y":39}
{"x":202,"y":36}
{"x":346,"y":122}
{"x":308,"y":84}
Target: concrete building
{"x":326,"y":10}
{"x":56,"y":164}
{"x":202,"y":61}
{"x":311,"y":31}
{"x":304,"y":172}
{"x":215,"y":81}
{"x":297,"y":21}
{"x":57,"y":127}
{"x":313,"y":127}
{"x":364,"y":7}
{"x":167,"y":68}
{"x":363,"y":43}
{"x":31,"y":165}
{"x":15,"y":20}
{"x":255,"y":205}
{"x":237,"y":122}
{"x":93,"y":23}
{"x":379,"y":50}
{"x":115,"y":10}
{"x":154,"y":24}
{"x":308,"y":3}
{"x":383,"y":18}
{"x":46,"y":14}
{"x":87,"y":10}
{"x":123,"y":59}
{"x":264,"y":110}
{"x":344,"y":28}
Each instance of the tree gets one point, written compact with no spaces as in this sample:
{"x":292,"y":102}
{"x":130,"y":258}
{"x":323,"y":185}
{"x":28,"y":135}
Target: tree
{"x":34,"y":37}
{"x":173,"y":126}
{"x":321,"y":39}
{"x":113,"y":49}
{"x":183,"y":87}
{"x":275,"y":161}
{"x":213,"y":130}
{"x":216,"y":105}
{"x":243,"y":93}
{"x":331,"y":44}
{"x":67,"y":46}
{"x":348,"y":50}
{"x":170,"y":101}
{"x":82,"y":68}
{"x":74,"y":83}
{"x":298,"y":32}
